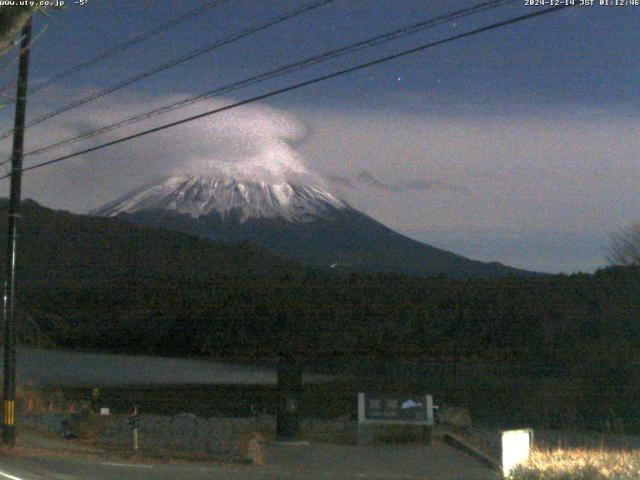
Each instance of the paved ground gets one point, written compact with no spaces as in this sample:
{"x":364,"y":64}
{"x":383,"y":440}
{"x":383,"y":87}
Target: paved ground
{"x":439,"y":461}
{"x":314,"y":462}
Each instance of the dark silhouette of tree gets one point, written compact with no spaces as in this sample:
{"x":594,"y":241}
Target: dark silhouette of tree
{"x":625,"y":246}
{"x":12,"y":19}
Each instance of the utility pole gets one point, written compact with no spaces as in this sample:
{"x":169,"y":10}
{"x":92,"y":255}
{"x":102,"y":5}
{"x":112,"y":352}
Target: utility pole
{"x":9,"y":380}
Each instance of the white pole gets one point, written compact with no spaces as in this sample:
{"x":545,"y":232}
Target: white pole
{"x":429,"y":403}
{"x":361,"y":415}
{"x":135,"y":428}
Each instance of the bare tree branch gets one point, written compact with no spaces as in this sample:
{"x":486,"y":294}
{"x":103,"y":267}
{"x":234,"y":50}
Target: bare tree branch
{"x":12,"y":19}
{"x":625,"y":246}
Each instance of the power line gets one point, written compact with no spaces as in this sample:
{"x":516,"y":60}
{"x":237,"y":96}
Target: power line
{"x":189,"y":56}
{"x":332,"y":54}
{"x":299,"y":85}
{"x":130,"y":43}
{"x":7,"y":63}
{"x":123,"y":46}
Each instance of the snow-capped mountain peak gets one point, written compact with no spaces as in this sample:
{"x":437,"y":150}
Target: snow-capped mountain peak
{"x":200,"y":196}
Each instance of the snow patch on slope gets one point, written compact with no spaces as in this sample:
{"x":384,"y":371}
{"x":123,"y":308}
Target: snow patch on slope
{"x":200,"y":196}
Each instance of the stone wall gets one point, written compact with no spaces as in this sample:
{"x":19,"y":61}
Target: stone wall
{"x":49,"y":422}
{"x":389,"y":433}
{"x":215,"y":436}
{"x":321,"y":426}
{"x":180,"y":433}
{"x":186,"y":433}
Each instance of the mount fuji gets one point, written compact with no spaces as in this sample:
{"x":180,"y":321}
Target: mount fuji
{"x":229,"y":200}
{"x":294,"y":220}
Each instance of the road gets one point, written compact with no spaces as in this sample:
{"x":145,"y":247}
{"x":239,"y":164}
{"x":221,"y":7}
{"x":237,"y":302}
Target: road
{"x":315,"y":462}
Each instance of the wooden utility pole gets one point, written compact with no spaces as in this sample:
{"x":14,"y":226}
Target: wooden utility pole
{"x":9,"y":379}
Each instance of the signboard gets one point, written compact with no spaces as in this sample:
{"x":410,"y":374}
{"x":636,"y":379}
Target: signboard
{"x":515,"y":449}
{"x":400,"y":409}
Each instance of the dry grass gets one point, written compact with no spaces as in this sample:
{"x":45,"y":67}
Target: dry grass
{"x":37,"y":400}
{"x":580,"y":464}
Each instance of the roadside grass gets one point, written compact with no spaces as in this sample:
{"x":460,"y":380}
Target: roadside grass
{"x":579,"y":464}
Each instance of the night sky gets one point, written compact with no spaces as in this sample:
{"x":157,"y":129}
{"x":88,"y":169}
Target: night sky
{"x":519,"y":145}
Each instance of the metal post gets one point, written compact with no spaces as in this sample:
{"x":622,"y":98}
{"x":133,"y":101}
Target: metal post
{"x":9,"y":381}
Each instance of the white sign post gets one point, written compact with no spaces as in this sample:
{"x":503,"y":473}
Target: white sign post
{"x":515,"y":449}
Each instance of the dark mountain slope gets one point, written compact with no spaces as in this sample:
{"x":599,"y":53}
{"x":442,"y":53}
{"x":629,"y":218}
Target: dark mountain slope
{"x":347,"y":241}
{"x":299,"y":222}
